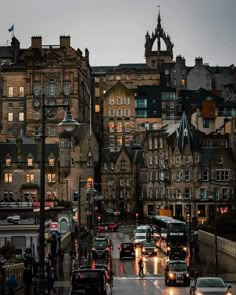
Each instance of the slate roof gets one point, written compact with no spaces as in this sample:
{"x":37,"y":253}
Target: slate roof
{"x":10,"y":148}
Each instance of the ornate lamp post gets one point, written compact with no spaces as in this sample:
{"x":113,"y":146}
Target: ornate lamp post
{"x":68,"y":124}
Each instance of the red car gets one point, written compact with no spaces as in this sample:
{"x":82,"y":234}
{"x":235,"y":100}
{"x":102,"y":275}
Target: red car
{"x":106,"y":226}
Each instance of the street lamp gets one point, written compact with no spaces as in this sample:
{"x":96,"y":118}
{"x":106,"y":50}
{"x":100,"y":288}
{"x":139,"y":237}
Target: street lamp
{"x":68,"y":124}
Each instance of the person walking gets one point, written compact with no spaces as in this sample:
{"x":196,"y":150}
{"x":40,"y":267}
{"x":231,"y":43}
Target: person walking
{"x":140,"y":266}
{"x":50,"y":280}
{"x":12,"y":285}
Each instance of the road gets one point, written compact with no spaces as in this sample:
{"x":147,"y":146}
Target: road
{"x":126,"y":280}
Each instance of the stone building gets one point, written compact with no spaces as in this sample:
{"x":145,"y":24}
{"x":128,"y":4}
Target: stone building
{"x":59,"y":72}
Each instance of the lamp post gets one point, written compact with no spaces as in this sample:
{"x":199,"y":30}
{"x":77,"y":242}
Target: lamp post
{"x":69,"y":124}
{"x":216,"y":237}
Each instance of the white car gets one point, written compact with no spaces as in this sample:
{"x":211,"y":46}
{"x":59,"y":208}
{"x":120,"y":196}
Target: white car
{"x":13,"y":219}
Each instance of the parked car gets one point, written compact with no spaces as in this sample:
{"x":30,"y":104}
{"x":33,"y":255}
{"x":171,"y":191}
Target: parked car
{"x":127,"y":250}
{"x":210,"y":285}
{"x":104,"y":226}
{"x":176,"y":272}
{"x":101,"y":247}
{"x":149,"y":248}
{"x":89,"y":282}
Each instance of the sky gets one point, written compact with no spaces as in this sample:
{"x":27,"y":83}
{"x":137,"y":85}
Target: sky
{"x":114,"y":30}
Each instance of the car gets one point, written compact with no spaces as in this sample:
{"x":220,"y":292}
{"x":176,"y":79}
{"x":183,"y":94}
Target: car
{"x":101,"y":247}
{"x":210,"y":285}
{"x":149,"y":248}
{"x":177,"y":272}
{"x":15,"y":219}
{"x":127,"y":250}
{"x":104,"y":226}
{"x":89,"y":282}
{"x":108,"y":271}
{"x":142,"y":233}
{"x":112,"y":212}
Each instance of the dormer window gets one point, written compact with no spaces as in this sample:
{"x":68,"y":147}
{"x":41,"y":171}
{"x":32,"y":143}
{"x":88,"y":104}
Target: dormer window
{"x":30,"y":162}
{"x":123,"y":165}
{"x":8,"y":162}
{"x":51,"y":162}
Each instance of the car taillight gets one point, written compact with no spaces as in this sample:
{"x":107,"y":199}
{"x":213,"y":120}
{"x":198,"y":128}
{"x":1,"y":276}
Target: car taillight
{"x":93,"y":248}
{"x":107,"y":248}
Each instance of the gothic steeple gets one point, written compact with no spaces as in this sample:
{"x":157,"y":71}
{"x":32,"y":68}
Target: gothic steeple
{"x":184,"y":134}
{"x":155,"y":57}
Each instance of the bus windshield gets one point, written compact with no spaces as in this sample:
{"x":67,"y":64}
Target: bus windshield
{"x":177,"y":228}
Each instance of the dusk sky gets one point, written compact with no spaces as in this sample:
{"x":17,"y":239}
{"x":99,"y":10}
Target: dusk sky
{"x":114,"y":30}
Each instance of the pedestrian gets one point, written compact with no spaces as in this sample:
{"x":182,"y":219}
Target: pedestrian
{"x":12,"y":285}
{"x":27,"y":279}
{"x":50,"y":280}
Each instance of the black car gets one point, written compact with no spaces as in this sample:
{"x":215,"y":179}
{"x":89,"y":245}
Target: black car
{"x":127,"y":250}
{"x":176,"y":272}
{"x":101,"y":246}
{"x":89,"y":282}
{"x":149,"y":248}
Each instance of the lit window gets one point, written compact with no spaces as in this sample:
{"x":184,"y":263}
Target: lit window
{"x":10,"y":117}
{"x":97,"y":108}
{"x":22,"y":91}
{"x":8,"y":178}
{"x":29,"y":162}
{"x":111,"y":126}
{"x":21,"y":117}
{"x":183,"y":82}
{"x":119,"y":140}
{"x":10,"y":91}
{"x":51,"y":177}
{"x":8,"y":162}
{"x":30,"y":178}
{"x":119,"y":127}
{"x":51,"y":162}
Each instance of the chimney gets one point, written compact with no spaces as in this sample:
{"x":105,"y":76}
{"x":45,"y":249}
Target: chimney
{"x":36,"y":42}
{"x":65,"y":41}
{"x":198,"y":61}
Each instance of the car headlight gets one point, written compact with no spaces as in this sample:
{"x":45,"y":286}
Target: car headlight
{"x":187,"y":275}
{"x":168,"y":248}
{"x":143,"y":250}
{"x":171,"y":275}
{"x":155,"y":250}
{"x":199,"y":293}
{"x":228,"y":293}
{"x":185,"y":248}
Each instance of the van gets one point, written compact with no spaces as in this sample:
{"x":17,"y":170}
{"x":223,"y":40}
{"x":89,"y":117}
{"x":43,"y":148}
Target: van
{"x":142,"y":233}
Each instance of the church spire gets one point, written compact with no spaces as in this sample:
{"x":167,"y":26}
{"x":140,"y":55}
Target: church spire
{"x":158,"y":29}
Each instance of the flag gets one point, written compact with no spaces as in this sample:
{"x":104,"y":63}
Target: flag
{"x":11,"y":29}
